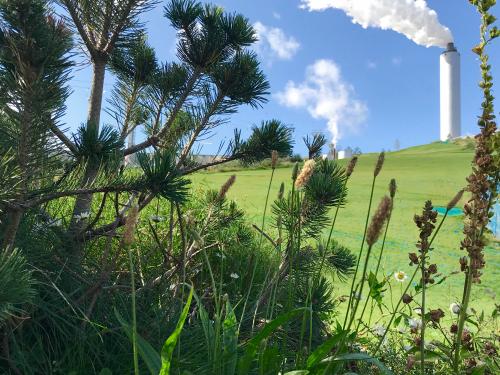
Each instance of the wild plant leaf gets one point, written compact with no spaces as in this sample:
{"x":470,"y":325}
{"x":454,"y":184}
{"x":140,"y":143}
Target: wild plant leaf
{"x":376,"y":288}
{"x":253,"y":345}
{"x":397,"y":320}
{"x":208,"y":328}
{"x":270,"y":361}
{"x":297,"y":372}
{"x":171,"y":342}
{"x":359,"y":357}
{"x":230,"y":340}
{"x":324,"y":349}
{"x":148,"y":354}
{"x":106,"y":371}
{"x":480,"y":370}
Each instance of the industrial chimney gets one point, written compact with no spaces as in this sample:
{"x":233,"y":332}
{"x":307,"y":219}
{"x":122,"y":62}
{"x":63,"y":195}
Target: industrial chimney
{"x":450,"y":93}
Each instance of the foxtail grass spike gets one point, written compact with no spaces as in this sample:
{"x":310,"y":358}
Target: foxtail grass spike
{"x":281,"y":190}
{"x":380,"y":164}
{"x":392,"y":188}
{"x":295,"y":171}
{"x":130,"y":225}
{"x":274,"y":159}
{"x":225,"y":188}
{"x":351,"y":165}
{"x":455,"y":200}
{"x":305,"y":174}
{"x":378,"y":221}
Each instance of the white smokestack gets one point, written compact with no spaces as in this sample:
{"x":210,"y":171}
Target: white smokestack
{"x":450,"y":93}
{"x":412,"y":18}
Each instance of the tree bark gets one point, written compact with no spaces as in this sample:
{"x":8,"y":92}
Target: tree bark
{"x":15,"y":217}
{"x":83,"y":202}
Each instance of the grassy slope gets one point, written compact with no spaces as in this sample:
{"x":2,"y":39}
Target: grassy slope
{"x":436,"y":171}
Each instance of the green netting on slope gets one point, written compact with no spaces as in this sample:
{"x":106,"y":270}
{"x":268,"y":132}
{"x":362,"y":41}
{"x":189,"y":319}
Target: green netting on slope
{"x":455,"y":211}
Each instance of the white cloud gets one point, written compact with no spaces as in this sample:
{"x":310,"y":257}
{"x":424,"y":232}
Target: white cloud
{"x":277,"y":15}
{"x":326,"y":96}
{"x":397,"y":60}
{"x":371,"y":64}
{"x":273,"y":42}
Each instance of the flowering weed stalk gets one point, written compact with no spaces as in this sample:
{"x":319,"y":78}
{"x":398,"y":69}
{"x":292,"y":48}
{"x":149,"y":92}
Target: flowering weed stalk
{"x":426,"y":224}
{"x":405,"y":297}
{"x":483,"y":181}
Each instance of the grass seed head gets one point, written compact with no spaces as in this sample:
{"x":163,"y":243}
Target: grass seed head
{"x":392,"y":188}
{"x":281,"y":190}
{"x":351,"y":165}
{"x":274,"y":159}
{"x":295,"y":171}
{"x":380,"y":163}
{"x":130,"y":225}
{"x":455,"y":200}
{"x":305,"y":173}
{"x":225,"y":188}
{"x":378,"y":220}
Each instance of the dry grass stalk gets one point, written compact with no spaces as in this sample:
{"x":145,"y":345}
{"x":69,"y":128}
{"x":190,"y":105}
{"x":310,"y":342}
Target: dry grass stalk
{"x":305,"y":174}
{"x":378,"y":220}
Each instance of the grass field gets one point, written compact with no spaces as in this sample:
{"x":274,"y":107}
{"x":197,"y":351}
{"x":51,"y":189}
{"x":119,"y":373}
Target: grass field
{"x":436,"y":172}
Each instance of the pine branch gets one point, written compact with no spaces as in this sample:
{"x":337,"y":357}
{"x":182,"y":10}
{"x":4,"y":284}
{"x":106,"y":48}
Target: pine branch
{"x":72,"y":10}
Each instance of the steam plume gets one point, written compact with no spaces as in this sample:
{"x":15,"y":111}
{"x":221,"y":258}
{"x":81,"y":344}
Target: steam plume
{"x":412,"y":18}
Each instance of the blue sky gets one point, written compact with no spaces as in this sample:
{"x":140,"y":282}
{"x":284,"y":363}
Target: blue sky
{"x":376,"y":85}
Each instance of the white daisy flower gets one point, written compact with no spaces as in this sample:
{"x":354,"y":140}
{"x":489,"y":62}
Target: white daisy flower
{"x":156,"y":218}
{"x":234,"y":275}
{"x":379,"y":330}
{"x":414,"y":323}
{"x":400,"y":276}
{"x":455,"y":308}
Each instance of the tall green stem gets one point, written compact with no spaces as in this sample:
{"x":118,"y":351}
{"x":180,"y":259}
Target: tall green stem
{"x":376,"y":272}
{"x":323,"y":258}
{"x":134,"y":314}
{"x":422,"y":313}
{"x":362,"y":284}
{"x":260,"y":245}
{"x":360,"y":253}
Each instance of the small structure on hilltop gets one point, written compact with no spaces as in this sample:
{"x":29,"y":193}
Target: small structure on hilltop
{"x":345,"y":154}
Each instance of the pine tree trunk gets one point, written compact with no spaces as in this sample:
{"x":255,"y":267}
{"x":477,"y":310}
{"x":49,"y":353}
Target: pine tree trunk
{"x":83,"y":202}
{"x":11,"y":229}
